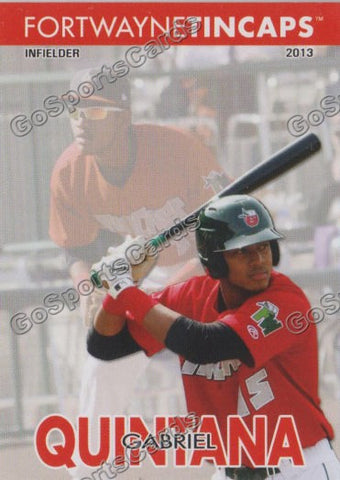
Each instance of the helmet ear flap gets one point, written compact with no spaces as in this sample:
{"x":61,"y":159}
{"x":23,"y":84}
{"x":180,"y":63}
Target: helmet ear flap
{"x":274,"y":245}
{"x":217,"y":266}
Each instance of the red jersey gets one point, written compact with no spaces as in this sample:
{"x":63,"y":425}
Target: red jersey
{"x":171,"y":177}
{"x":284,"y":378}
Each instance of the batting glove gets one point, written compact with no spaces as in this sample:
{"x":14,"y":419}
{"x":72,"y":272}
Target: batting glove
{"x":140,"y":256}
{"x":114,"y":272}
{"x":123,"y":296}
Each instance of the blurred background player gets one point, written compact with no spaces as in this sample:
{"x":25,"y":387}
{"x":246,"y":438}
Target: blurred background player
{"x":118,"y":179}
{"x":230,"y":328}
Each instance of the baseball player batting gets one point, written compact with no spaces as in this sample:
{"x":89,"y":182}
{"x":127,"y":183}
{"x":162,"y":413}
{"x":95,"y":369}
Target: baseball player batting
{"x":229,"y":329}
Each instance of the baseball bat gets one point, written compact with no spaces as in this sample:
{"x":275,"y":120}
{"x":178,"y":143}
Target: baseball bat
{"x":275,"y":166}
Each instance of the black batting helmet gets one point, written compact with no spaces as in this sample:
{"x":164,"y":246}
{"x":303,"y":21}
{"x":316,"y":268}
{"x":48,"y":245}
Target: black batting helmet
{"x":232,"y":222}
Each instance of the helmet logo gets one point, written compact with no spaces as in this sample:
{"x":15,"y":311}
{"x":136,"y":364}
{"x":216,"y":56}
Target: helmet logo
{"x":250,"y":217}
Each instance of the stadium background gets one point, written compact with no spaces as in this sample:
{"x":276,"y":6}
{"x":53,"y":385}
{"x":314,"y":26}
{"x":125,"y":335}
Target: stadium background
{"x":239,"y":101}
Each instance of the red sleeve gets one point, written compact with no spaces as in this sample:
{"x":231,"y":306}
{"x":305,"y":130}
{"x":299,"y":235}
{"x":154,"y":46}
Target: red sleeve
{"x":262,"y":323}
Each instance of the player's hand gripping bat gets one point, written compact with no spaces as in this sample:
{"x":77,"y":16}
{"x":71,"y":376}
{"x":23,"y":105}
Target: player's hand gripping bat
{"x":279,"y":163}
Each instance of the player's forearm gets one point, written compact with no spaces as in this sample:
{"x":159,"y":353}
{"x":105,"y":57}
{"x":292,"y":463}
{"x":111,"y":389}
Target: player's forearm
{"x":158,"y":321}
{"x":108,"y":324}
{"x":109,"y":337}
{"x":109,"y":319}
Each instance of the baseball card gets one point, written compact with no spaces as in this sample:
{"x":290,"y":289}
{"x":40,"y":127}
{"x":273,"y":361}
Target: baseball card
{"x":170,"y":240}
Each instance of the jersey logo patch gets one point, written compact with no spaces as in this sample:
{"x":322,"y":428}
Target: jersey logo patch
{"x":266,"y":317}
{"x":250,"y":217}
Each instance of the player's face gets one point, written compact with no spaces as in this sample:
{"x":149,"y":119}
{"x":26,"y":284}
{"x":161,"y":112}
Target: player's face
{"x":250,"y":267}
{"x":94,"y":128}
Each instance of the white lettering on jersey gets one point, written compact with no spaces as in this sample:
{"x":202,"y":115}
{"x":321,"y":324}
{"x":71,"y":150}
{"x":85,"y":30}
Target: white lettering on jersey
{"x":212,"y":371}
{"x":148,"y":222}
{"x":260,"y":393}
{"x":260,"y":389}
{"x":242,"y":409}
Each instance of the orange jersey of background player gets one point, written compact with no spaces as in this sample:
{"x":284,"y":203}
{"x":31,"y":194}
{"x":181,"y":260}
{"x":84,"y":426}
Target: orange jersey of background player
{"x":172,"y":173}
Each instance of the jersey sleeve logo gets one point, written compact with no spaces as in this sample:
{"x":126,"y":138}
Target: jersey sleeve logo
{"x":266,"y":317}
{"x":253,"y":332}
